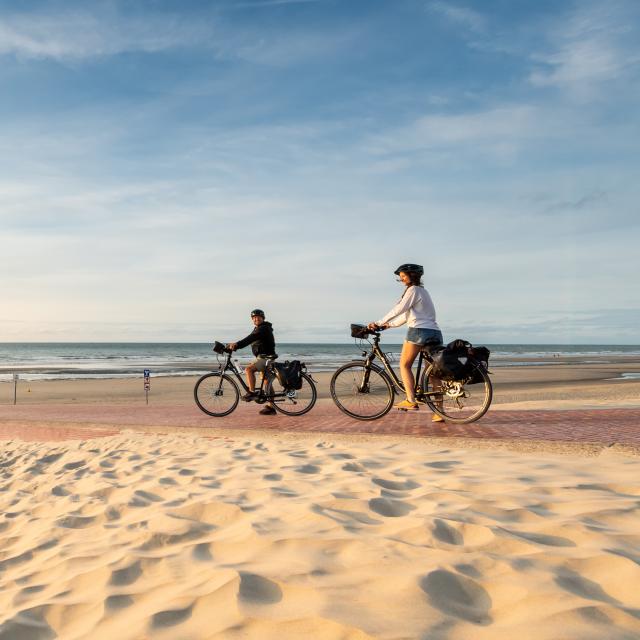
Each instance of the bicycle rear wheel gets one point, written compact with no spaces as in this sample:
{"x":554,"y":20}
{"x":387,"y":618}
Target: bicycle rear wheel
{"x":459,"y":402}
{"x":216,"y":394}
{"x":292,"y":402}
{"x":360,"y":392}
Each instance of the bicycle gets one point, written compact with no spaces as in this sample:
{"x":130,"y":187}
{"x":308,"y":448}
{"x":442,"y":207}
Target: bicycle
{"x":365,"y":391}
{"x":218,"y":394}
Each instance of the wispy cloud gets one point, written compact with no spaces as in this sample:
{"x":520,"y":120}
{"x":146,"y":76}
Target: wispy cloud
{"x":597,"y":44}
{"x":460,"y":16}
{"x":75,"y":35}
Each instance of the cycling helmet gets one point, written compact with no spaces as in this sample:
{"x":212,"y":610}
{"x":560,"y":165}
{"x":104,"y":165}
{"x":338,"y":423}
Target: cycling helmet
{"x":413,"y":268}
{"x":257,"y":312}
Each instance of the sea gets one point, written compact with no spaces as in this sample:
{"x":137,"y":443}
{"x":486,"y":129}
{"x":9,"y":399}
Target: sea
{"x":83,"y":360}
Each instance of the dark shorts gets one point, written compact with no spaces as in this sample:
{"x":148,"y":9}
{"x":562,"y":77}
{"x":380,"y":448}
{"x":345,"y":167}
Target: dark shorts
{"x":424,"y":336}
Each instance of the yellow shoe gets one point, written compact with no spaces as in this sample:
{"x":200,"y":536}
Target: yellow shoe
{"x":405,"y":405}
{"x":436,"y":418}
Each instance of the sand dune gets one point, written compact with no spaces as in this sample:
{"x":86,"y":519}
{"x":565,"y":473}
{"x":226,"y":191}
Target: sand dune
{"x":142,"y":536}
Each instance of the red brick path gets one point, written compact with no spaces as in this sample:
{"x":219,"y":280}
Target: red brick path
{"x":65,"y":421}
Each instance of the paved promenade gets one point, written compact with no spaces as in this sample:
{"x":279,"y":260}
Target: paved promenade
{"x":72,"y":421}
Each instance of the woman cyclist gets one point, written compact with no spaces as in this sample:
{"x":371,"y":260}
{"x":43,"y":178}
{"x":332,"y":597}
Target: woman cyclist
{"x":416,"y":309}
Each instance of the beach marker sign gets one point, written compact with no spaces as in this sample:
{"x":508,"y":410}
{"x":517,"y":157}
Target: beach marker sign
{"x":147,"y":383}
{"x":16,"y":377}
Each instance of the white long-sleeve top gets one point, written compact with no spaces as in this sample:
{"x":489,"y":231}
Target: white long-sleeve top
{"x":415,"y":308}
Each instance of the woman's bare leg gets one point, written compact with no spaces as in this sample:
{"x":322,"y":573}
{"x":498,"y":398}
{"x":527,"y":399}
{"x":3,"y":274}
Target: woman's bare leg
{"x":407,"y":358}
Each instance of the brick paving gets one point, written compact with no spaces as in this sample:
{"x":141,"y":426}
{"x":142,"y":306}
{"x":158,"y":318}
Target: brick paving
{"x":80,"y":421}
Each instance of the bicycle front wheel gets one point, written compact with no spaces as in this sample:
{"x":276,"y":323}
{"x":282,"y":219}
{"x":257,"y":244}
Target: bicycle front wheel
{"x":216,"y":394}
{"x":361,"y":392}
{"x":456,"y":401}
{"x":292,"y":402}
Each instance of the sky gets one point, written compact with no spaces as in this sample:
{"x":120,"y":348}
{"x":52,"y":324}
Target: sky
{"x":167,"y":166}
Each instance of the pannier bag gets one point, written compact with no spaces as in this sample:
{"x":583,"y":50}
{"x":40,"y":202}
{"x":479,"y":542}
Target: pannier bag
{"x":459,"y":360}
{"x":480,"y":357}
{"x":289,"y":374}
{"x":450,"y":362}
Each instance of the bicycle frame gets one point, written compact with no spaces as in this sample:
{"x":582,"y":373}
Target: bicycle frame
{"x":229,"y":365}
{"x":376,"y":351}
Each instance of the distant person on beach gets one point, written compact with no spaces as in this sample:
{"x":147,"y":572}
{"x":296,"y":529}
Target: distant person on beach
{"x":263,"y":345}
{"x":416,"y":309}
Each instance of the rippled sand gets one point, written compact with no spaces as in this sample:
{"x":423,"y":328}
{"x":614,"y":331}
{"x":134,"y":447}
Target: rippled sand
{"x":180,"y":537}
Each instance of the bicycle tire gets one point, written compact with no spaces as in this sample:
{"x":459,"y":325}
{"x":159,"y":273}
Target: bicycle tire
{"x":349,"y":397}
{"x":283,"y":404}
{"x":461,"y":403}
{"x":205,"y":394}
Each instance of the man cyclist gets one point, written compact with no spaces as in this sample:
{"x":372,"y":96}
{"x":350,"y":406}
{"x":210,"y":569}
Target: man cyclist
{"x":263,"y":346}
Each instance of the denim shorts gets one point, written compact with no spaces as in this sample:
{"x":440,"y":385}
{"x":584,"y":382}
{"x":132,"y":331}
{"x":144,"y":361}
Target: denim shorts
{"x":424,"y":336}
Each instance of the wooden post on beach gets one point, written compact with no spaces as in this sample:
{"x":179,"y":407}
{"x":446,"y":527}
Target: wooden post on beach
{"x":15,"y":387}
{"x":147,"y":384}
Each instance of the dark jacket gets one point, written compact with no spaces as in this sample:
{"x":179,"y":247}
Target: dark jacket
{"x":261,"y":340}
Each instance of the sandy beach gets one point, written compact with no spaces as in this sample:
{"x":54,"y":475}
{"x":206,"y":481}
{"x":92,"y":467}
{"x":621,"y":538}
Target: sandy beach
{"x":161,"y":532}
{"x":147,"y":536}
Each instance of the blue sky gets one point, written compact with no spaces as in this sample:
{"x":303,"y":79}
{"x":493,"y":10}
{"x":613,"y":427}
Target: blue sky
{"x":167,"y":166}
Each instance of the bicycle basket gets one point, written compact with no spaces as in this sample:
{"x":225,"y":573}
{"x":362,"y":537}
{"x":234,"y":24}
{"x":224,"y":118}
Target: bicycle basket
{"x":359,"y":331}
{"x":218,"y":347}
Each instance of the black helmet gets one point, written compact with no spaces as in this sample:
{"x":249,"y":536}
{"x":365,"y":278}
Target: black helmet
{"x":413,"y":268}
{"x":257,"y":312}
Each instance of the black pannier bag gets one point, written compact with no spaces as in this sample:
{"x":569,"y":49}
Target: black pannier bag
{"x":450,"y":362}
{"x":289,"y":374}
{"x":478,"y":356}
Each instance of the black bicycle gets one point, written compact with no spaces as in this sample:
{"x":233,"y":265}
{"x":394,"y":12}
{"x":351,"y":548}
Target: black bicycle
{"x":366,"y":391}
{"x":218,"y":394}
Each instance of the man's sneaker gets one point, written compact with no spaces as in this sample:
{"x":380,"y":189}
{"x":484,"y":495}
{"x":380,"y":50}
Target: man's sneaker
{"x":405,"y":405}
{"x":251,"y":395}
{"x":436,"y":418}
{"x":267,"y":410}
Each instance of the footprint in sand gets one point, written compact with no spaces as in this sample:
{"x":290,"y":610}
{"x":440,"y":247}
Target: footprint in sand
{"x":582,"y":587}
{"x":390,"y":508}
{"x":113,"y":603}
{"x":127,"y":575}
{"x":274,"y":477}
{"x":539,"y":538}
{"x":52,"y":457}
{"x":74,"y":465}
{"x":446,"y":533}
{"x":444,"y":464}
{"x":202,"y":552}
{"x":308,"y":468}
{"x":256,"y":589}
{"x":171,"y":617}
{"x":143,"y":498}
{"x":457,"y":596}
{"x":75,"y":522}
{"x":60,"y":491}
{"x":394,"y":485}
{"x":28,"y":624}
{"x":353,"y":466}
